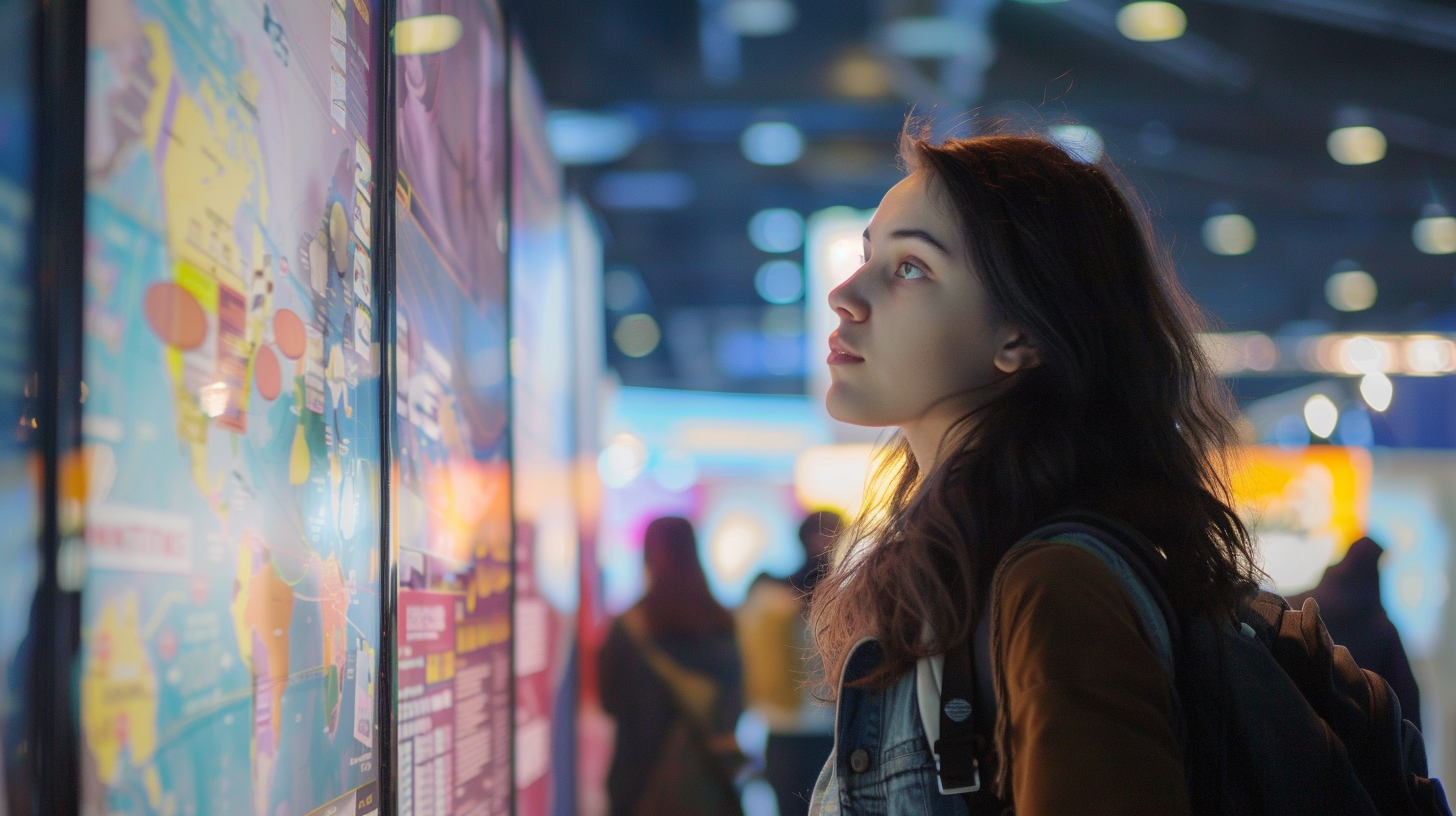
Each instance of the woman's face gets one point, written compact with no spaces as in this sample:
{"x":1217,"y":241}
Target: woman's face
{"x":919,"y":339}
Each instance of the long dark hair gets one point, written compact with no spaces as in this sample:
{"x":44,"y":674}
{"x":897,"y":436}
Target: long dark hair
{"x":1123,"y":416}
{"x":678,"y":601}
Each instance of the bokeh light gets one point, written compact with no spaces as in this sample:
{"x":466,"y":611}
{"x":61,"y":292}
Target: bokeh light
{"x":772,"y":143}
{"x":1351,"y":290}
{"x":1321,"y":416}
{"x":1151,"y":21}
{"x":637,"y":335}
{"x":1230,"y":234}
{"x":780,"y":281}
{"x":776,"y":230}
{"x":1360,"y":144}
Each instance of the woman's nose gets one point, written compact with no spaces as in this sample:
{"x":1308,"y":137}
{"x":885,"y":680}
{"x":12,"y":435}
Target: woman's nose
{"x":847,"y":302}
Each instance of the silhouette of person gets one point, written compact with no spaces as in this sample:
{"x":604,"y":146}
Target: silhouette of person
{"x":1349,"y":599}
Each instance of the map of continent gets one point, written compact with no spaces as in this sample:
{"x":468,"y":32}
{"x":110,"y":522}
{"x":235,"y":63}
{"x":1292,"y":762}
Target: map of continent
{"x":231,"y":610}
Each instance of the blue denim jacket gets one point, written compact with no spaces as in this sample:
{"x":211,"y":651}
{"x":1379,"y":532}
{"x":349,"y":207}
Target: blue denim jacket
{"x":881,"y":764}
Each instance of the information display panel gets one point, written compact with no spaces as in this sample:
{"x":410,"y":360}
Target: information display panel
{"x":19,"y":499}
{"x":231,"y":414}
{"x":452,"y":497}
{"x":547,"y":528}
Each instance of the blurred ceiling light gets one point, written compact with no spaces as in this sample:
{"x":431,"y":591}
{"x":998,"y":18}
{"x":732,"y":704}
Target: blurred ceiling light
{"x":1360,"y":144}
{"x":645,"y":190}
{"x":1229,"y":234}
{"x":861,"y":75}
{"x":427,"y":34}
{"x":1080,"y":141}
{"x":1151,"y":21}
{"x":776,"y":230}
{"x":620,"y":290}
{"x":590,"y":137}
{"x":1428,"y":355}
{"x":1365,"y":355}
{"x":1435,"y":232}
{"x":1377,"y":390}
{"x":622,"y":460}
{"x":1235,"y":352}
{"x":761,"y":18}
{"x":780,"y":282}
{"x":1321,"y":416}
{"x":637,"y":335}
{"x":772,"y":143}
{"x":934,"y":38}
{"x":1351,"y":290}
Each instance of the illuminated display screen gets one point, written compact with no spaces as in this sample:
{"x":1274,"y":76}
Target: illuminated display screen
{"x":452,"y":506}
{"x":232,"y":419}
{"x":547,"y":528}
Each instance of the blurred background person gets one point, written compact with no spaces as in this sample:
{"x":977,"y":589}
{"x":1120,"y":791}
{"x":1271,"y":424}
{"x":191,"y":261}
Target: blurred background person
{"x":1349,"y":599}
{"x":672,"y":679}
{"x":779,"y":665}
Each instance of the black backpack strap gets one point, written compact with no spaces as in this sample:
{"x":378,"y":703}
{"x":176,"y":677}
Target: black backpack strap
{"x":959,"y":749}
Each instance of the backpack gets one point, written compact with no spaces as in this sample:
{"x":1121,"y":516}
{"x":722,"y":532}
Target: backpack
{"x":1272,"y":717}
{"x":694,"y":773}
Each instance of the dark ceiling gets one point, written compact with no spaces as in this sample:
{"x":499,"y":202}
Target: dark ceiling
{"x":1231,"y":117}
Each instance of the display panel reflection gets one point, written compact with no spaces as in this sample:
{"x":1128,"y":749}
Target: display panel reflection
{"x":452,"y":496}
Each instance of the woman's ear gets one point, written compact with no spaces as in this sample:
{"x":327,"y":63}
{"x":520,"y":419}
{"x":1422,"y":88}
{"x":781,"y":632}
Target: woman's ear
{"x":1016,"y":352}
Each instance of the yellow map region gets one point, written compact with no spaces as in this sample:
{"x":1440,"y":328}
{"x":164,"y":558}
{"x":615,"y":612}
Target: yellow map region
{"x":209,"y":163}
{"x":263,"y":607}
{"x":119,"y":696}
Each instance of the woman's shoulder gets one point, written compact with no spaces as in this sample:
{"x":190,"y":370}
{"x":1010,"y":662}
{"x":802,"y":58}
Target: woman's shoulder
{"x":1054,"y":582}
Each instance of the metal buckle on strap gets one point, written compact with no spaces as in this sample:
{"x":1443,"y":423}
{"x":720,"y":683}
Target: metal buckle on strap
{"x":971,"y":788}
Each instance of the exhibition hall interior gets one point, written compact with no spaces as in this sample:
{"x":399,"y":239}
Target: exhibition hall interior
{"x":367,"y":367}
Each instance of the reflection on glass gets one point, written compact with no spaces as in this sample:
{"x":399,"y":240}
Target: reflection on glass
{"x":452,"y":500}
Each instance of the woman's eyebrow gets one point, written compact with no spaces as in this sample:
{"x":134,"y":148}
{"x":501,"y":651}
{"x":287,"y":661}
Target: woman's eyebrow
{"x":914,"y":233}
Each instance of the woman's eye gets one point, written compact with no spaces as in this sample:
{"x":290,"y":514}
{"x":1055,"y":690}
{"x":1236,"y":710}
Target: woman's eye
{"x":909,"y":271}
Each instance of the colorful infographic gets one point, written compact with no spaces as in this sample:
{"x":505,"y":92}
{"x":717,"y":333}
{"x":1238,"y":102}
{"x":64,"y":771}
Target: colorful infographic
{"x":19,"y":500}
{"x":231,"y":409}
{"x":452,"y":507}
{"x":547,"y":528}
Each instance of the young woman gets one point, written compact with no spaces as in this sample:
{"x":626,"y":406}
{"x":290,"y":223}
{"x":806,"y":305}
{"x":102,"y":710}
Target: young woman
{"x":1016,"y":321}
{"x":671,"y":676}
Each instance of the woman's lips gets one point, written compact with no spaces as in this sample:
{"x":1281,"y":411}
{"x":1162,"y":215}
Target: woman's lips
{"x":839,"y":355}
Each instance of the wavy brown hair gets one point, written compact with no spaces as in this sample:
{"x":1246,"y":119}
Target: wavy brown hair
{"x":1123,"y":416}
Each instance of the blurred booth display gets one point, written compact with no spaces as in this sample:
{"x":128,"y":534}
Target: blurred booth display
{"x":452,"y":440}
{"x":725,"y":461}
{"x":1304,"y":507}
{"x":545,"y":384}
{"x":231,"y":615}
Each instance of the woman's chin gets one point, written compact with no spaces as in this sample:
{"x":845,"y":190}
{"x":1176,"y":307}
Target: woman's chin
{"x":843,"y":407}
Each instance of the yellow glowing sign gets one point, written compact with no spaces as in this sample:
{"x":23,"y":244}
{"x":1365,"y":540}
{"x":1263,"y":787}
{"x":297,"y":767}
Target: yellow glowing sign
{"x":1305,"y":506}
